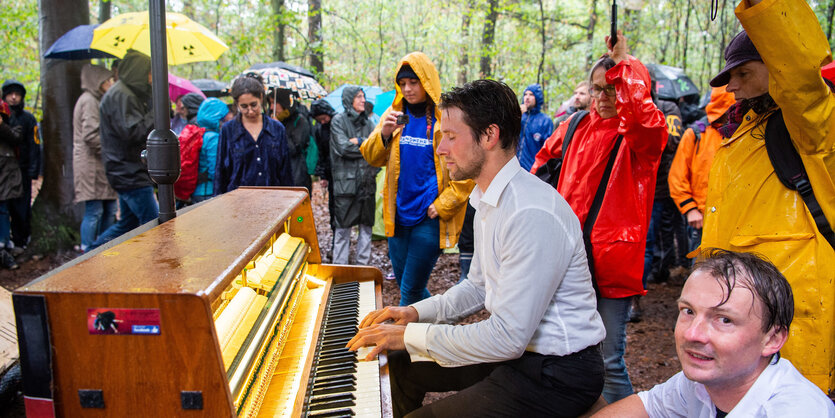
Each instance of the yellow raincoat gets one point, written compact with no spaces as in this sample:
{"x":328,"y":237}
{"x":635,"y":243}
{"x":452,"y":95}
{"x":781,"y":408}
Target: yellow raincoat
{"x":747,"y":207}
{"x":452,"y":195}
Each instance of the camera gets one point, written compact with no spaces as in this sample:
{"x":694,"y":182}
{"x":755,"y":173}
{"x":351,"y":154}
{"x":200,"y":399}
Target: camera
{"x":403,"y":119}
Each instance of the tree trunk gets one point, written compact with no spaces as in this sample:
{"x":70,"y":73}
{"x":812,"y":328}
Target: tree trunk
{"x":686,"y":33}
{"x":464,"y":56}
{"x":104,"y":10}
{"x":830,"y":14}
{"x":314,"y":34}
{"x":278,"y":37}
{"x":590,"y":32}
{"x":487,"y":38}
{"x":55,"y":216}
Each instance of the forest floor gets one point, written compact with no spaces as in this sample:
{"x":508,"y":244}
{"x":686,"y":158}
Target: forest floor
{"x":650,"y":350}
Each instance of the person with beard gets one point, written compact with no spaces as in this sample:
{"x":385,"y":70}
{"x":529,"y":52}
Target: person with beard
{"x":422,"y":208}
{"x":293,"y":115}
{"x":29,"y":161}
{"x":89,"y":178}
{"x":623,"y":135}
{"x":735,"y":311}
{"x":354,"y":185}
{"x":543,"y":328}
{"x":126,"y":120}
{"x":581,"y":100}
{"x":771,"y":66}
{"x":536,"y":126}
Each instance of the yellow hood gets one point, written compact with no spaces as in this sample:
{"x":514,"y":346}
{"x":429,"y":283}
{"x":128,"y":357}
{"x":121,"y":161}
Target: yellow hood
{"x":428,"y":76}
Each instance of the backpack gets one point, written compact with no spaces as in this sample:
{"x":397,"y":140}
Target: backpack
{"x":550,"y":171}
{"x":790,"y":170}
{"x":191,"y":141}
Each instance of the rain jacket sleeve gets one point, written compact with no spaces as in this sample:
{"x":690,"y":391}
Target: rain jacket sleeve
{"x":639,"y":117}
{"x":341,"y":136}
{"x":681,"y":189}
{"x":552,"y":148}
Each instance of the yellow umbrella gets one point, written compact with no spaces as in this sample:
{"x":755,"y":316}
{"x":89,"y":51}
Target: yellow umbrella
{"x":188,"y":41}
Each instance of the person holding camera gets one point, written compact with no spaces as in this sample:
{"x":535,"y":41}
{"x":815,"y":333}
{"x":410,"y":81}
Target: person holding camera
{"x":423,"y":209}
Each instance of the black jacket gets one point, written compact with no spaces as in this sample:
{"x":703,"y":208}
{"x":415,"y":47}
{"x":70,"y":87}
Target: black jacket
{"x":298,"y":131}
{"x":126,"y":121}
{"x":674,"y":133}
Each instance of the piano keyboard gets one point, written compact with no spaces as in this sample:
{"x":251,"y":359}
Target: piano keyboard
{"x":341,"y":385}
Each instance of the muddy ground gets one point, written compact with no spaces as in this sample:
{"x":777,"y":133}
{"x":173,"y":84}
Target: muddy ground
{"x":650,"y":351}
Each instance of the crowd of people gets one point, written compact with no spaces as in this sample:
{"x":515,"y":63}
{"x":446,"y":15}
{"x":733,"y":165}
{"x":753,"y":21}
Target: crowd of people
{"x":632,"y":188}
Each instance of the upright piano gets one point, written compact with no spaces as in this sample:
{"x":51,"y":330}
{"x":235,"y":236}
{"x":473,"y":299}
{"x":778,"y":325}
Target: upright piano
{"x":223,"y":311}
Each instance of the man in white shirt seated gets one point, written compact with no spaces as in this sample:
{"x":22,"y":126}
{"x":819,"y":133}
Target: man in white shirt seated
{"x":538,"y":353}
{"x":734,"y":315}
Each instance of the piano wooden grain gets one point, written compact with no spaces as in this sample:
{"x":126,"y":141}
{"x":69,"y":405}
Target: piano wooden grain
{"x":180,"y":269}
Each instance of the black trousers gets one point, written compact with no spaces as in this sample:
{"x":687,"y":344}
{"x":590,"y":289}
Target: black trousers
{"x":533,"y":385}
{"x":20,"y":211}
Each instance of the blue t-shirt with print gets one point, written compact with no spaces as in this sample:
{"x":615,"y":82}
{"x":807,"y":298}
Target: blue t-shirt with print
{"x":417,"y":186}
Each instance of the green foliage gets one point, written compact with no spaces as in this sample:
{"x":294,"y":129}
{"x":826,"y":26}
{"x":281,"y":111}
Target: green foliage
{"x":19,"y":56}
{"x":363,"y":40}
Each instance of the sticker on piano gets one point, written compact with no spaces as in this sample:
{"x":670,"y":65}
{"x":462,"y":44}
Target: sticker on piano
{"x":103,"y":321}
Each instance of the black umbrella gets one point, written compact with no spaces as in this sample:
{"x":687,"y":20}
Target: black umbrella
{"x":211,"y":88}
{"x":671,"y":83}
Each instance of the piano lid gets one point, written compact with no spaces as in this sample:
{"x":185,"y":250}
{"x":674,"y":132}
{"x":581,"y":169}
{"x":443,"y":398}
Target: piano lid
{"x":190,"y":254}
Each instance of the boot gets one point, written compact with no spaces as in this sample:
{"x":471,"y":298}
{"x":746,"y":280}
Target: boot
{"x":635,"y":312}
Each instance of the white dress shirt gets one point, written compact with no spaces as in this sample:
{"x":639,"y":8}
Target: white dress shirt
{"x":779,"y":391}
{"x":529,"y":271}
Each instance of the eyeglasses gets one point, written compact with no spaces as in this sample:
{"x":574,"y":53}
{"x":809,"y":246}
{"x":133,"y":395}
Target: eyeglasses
{"x":254,"y":106}
{"x":595,"y":91}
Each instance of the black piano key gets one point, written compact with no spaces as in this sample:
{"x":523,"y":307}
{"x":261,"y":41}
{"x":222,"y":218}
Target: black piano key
{"x":336,"y":378}
{"x":348,"y":358}
{"x":332,"y":397}
{"x":340,"y":400}
{"x":344,"y":388}
{"x":325,"y":367}
{"x":334,"y":372}
{"x":336,"y":413}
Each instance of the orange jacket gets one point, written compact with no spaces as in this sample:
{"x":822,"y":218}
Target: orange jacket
{"x":691,"y":165}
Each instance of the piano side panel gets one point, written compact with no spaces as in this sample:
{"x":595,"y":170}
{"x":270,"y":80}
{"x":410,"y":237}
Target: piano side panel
{"x":139,"y":375}
{"x":302,"y":225}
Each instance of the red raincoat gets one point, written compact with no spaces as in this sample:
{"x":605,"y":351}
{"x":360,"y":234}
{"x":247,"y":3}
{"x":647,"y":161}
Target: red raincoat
{"x":619,"y":235}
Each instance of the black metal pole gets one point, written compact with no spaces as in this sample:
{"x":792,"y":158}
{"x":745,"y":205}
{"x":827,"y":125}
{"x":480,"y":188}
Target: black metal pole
{"x":163,"y":154}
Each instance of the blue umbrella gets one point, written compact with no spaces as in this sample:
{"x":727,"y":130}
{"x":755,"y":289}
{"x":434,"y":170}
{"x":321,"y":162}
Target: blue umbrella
{"x":75,"y":45}
{"x":371,"y":93}
{"x":383,"y":102}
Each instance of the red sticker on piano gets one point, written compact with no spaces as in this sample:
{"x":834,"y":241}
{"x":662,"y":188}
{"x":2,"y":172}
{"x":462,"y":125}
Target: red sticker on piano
{"x":123,"y":321}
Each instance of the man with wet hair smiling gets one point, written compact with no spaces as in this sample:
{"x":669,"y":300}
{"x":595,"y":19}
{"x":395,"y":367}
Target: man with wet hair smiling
{"x":735,"y":311}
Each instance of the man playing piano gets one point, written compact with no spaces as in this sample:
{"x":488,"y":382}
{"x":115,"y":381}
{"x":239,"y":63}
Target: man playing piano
{"x":538,"y":353}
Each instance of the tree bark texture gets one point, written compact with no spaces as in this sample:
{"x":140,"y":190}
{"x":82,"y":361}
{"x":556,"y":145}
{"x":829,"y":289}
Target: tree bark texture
{"x":590,"y":32}
{"x":278,"y":35}
{"x":104,"y":10}
{"x":488,"y":37}
{"x":61,"y":85}
{"x":314,"y":34}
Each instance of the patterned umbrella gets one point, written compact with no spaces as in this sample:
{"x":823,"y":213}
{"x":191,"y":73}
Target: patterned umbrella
{"x":302,"y":86}
{"x":671,"y":83}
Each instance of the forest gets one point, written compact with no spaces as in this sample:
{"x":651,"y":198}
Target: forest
{"x":552,"y":42}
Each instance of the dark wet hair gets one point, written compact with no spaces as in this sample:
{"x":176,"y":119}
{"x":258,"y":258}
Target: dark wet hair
{"x":484,"y":103}
{"x":758,"y":275}
{"x":605,"y":62}
{"x":251,"y":83}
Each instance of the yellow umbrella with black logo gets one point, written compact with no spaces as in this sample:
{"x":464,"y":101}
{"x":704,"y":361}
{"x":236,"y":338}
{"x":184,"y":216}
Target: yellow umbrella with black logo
{"x":188,"y":41}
